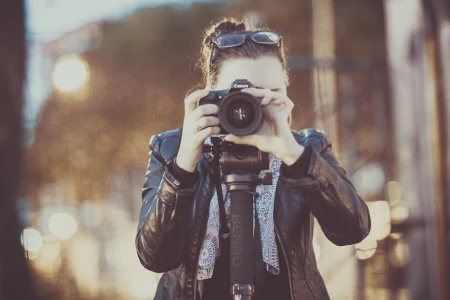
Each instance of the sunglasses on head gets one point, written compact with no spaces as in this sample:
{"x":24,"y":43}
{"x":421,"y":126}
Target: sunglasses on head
{"x":234,"y":39}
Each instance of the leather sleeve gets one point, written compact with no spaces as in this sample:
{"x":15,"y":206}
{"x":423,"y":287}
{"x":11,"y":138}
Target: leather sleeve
{"x":166,"y":212}
{"x":330,"y":195}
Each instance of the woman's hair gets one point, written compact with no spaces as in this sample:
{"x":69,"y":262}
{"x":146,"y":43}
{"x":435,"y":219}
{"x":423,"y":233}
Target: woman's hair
{"x":212,"y":56}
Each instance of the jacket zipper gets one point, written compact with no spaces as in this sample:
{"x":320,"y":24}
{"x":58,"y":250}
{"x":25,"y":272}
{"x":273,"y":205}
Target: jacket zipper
{"x":195,"y":281}
{"x":287,"y":263}
{"x":195,"y":278}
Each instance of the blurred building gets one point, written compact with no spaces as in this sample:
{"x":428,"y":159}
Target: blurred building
{"x":366,"y":72}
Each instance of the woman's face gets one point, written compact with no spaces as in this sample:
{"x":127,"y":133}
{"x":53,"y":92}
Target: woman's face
{"x":265,"y":71}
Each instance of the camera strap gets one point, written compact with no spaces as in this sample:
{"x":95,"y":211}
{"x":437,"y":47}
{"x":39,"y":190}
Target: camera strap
{"x":224,"y":231}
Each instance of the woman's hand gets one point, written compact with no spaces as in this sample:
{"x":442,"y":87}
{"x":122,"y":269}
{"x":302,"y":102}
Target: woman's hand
{"x":197,"y":126}
{"x":275,"y":134}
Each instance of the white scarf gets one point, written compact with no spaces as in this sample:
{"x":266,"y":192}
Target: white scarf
{"x":264,"y":206}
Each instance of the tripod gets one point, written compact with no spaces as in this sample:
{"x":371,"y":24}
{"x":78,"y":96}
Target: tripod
{"x":240,"y":166}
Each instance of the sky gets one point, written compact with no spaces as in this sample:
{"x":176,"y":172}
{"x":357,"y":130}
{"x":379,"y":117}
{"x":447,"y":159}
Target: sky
{"x":49,"y":19}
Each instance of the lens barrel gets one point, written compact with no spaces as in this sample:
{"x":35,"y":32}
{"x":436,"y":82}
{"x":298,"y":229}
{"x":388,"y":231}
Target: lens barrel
{"x":240,"y":114}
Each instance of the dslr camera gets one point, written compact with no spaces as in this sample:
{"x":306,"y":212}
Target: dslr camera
{"x":239,"y":113}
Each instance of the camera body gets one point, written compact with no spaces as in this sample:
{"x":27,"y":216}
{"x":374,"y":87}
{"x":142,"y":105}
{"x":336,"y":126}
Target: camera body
{"x":239,"y":113}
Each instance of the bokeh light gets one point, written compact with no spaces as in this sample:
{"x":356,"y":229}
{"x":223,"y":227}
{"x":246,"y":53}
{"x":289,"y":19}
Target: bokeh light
{"x":32,"y":255}
{"x":62,"y":225}
{"x":84,"y":252}
{"x":380,"y":218}
{"x":70,"y":74}
{"x":118,"y":218}
{"x":399,"y":254}
{"x":394,"y":191}
{"x":90,"y":214}
{"x":369,"y":180}
{"x":399,"y":212}
{"x":143,"y":284}
{"x":50,"y":248}
{"x":31,"y":240}
{"x":115,"y":250}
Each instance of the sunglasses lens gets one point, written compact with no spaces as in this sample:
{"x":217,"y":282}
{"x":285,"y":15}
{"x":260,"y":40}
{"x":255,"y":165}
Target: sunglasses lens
{"x":266,"y":37}
{"x":232,"y":40}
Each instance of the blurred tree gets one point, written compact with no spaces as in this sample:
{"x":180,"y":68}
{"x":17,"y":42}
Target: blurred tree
{"x":15,"y":279}
{"x":139,"y":77}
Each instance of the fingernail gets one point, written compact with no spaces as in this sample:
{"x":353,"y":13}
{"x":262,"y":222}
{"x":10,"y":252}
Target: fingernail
{"x":263,"y":102}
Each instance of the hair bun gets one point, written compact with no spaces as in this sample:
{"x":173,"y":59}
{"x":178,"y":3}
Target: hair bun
{"x":226,"y":25}
{"x":229,"y":26}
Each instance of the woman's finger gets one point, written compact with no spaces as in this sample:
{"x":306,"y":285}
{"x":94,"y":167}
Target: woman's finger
{"x":279,"y":101}
{"x":284,"y":100}
{"x":207,"y":121}
{"x":271,"y":96}
{"x":256,"y":92}
{"x":205,"y":132}
{"x":190,"y":102}
{"x":241,"y":140}
{"x":204,"y":110}
{"x":267,"y":95}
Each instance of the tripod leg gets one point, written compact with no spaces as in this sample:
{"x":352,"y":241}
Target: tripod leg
{"x":241,"y":244}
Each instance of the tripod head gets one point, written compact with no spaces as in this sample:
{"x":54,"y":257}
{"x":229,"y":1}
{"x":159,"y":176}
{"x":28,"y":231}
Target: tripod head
{"x":239,"y":159}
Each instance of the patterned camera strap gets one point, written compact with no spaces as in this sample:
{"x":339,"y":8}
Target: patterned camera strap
{"x":264,"y":208}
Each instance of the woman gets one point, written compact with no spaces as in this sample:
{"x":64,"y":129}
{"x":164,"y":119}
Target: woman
{"x":178,"y":228}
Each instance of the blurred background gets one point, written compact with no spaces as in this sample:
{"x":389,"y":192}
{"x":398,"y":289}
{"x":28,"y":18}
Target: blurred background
{"x":85,"y":84}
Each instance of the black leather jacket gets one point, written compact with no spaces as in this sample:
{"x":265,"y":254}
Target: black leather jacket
{"x":173,"y":220}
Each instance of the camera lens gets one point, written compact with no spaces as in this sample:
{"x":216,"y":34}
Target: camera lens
{"x":240,"y":113}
